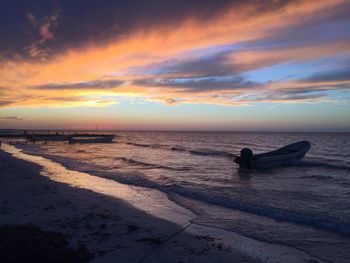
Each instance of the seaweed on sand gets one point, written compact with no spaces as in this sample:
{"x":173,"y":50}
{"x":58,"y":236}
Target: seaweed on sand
{"x":29,"y":243}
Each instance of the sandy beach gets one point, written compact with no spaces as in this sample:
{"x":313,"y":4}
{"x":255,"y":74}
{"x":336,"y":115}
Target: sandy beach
{"x":116,"y":221}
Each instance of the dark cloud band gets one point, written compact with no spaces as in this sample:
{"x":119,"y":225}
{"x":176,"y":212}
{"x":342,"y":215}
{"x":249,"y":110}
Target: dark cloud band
{"x":74,"y":23}
{"x":95,"y":85}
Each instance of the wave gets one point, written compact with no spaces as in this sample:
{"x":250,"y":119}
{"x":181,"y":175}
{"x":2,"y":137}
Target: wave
{"x":135,"y":162}
{"x":317,"y":177}
{"x":322,"y":165}
{"x":209,"y":152}
{"x":142,"y":145}
{"x":174,"y":148}
{"x":146,"y":165}
{"x":202,"y":152}
{"x":332,"y":223}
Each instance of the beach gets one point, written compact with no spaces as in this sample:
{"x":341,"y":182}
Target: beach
{"x":117,"y":221}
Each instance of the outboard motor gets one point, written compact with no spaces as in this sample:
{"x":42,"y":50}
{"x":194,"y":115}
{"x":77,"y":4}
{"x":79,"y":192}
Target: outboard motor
{"x":246,"y":157}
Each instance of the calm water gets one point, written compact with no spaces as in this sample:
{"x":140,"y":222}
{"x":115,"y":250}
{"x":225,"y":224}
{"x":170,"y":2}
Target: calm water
{"x":306,"y":205}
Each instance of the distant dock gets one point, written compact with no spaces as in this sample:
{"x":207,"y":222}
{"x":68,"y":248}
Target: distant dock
{"x":25,"y":137}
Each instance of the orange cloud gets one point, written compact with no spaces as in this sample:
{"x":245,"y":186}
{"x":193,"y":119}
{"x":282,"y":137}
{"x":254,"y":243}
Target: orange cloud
{"x":113,"y":61}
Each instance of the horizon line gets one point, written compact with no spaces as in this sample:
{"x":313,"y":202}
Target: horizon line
{"x":160,"y":130}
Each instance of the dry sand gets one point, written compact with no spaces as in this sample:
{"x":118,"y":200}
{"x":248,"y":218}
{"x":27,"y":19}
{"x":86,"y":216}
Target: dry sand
{"x":117,"y":222}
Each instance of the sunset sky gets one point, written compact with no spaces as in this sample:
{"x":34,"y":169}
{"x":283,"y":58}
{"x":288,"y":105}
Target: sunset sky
{"x":175,"y":65}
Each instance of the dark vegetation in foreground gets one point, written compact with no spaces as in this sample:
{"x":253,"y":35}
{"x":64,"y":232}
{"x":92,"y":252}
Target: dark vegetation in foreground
{"x":29,"y":243}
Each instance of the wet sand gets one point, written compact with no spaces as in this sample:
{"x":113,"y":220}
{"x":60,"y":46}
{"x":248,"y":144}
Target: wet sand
{"x":118,"y":222}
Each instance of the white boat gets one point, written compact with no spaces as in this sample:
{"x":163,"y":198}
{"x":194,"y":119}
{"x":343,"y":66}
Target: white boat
{"x":283,"y":156}
{"x":92,"y":139}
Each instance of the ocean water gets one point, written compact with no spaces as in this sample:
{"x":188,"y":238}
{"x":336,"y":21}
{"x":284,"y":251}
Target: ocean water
{"x":305,"y":205}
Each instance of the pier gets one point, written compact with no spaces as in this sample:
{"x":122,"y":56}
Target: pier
{"x":32,"y":137}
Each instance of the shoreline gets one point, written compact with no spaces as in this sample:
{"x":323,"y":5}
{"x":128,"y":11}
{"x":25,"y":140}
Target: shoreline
{"x":159,"y":228}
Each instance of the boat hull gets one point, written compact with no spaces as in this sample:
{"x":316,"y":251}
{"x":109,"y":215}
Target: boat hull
{"x":283,"y":156}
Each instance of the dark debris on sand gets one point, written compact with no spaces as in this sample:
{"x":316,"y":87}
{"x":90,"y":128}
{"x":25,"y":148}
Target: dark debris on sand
{"x":151,"y":240}
{"x":29,"y":243}
{"x":132,"y":227}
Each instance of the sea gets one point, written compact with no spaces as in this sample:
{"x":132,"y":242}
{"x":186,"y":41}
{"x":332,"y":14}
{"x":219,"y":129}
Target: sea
{"x":305,"y":205}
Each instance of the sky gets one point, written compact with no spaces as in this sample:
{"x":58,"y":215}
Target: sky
{"x":175,"y":65}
